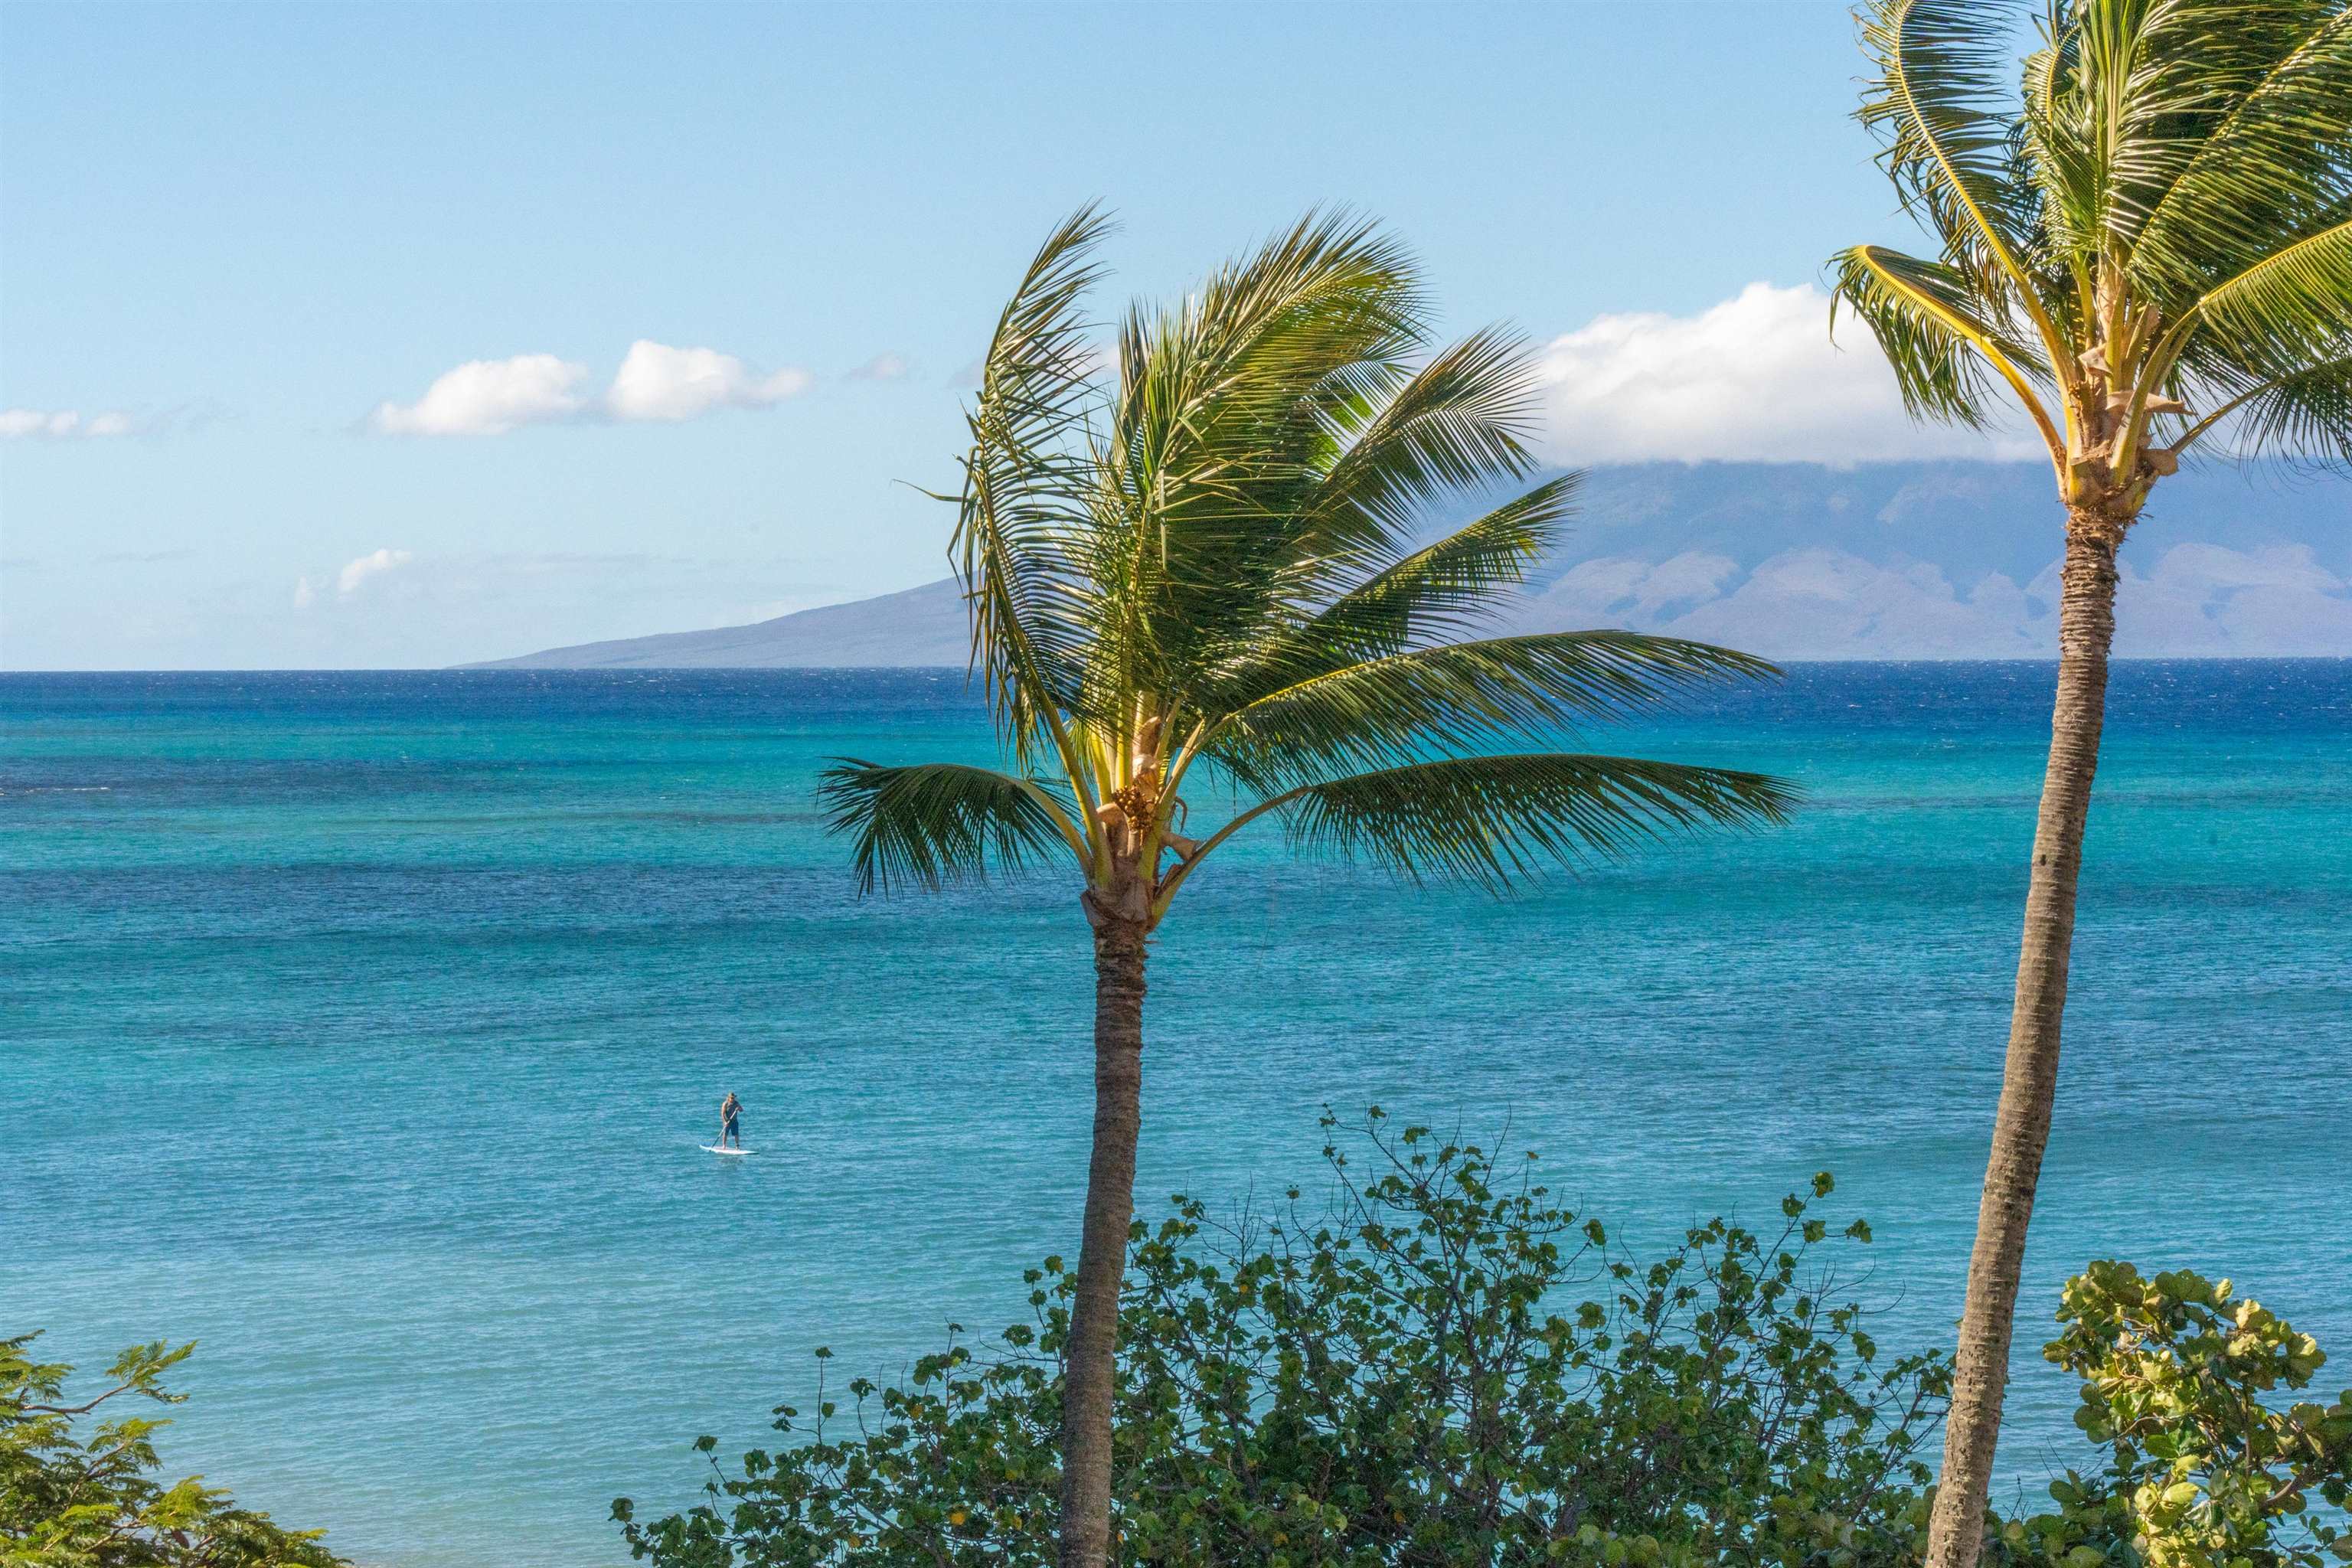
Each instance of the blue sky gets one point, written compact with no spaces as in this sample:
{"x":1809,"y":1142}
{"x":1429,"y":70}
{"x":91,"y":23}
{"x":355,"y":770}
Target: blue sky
{"x":242,"y":243}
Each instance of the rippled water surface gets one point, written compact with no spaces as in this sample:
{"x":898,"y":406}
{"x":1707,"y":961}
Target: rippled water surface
{"x":363,"y":1027}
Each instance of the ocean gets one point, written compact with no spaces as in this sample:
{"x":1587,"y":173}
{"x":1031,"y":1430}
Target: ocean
{"x":363,"y":1028}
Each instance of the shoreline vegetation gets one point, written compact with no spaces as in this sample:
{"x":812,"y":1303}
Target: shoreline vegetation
{"x":1235,"y":553}
{"x":76,"y":1482}
{"x":1429,"y":1360}
{"x":1395,"y":1373}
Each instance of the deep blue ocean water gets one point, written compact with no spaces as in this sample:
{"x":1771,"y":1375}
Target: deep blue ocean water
{"x":363,"y":1026}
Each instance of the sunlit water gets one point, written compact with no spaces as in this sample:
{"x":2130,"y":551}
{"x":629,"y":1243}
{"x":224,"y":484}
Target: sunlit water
{"x":364,"y":1027}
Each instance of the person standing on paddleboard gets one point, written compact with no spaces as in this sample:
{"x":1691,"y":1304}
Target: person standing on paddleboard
{"x":730,"y":1115}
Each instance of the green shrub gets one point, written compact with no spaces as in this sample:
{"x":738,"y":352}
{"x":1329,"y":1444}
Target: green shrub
{"x":1403,"y":1374}
{"x":2203,"y":1468}
{"x":89,"y":1502}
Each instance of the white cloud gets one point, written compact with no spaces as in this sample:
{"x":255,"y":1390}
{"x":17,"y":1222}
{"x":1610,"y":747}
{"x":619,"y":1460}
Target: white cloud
{"x":348,"y":580}
{"x":882,"y":367}
{"x":1754,"y":379}
{"x":657,"y":381}
{"x":305,"y":595}
{"x":60,"y":425}
{"x":489,"y":397}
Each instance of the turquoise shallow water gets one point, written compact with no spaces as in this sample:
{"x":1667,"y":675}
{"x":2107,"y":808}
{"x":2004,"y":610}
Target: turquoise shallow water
{"x":363,"y":1026}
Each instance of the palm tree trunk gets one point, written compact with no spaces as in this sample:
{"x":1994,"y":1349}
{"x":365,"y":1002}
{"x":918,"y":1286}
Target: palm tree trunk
{"x":1090,"y":1362}
{"x":2087,"y":629}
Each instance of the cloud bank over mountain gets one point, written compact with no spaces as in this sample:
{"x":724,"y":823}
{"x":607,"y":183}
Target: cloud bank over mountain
{"x":1755,"y":378}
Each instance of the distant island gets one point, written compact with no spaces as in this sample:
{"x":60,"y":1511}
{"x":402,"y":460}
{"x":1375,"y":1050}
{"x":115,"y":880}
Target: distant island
{"x":1941,"y":560}
{"x":919,"y":628}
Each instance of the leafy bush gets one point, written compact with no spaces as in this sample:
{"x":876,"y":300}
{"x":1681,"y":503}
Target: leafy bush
{"x":2201,"y":1471}
{"x":73,"y":1503}
{"x":1398,"y":1375}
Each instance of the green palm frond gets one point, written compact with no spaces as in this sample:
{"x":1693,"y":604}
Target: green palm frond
{"x":2131,"y":143}
{"x":939,"y":823}
{"x":1938,"y":100}
{"x":2305,"y":412}
{"x":1458,"y":584}
{"x":1230,"y":392}
{"x":1461,"y":423}
{"x":1493,"y":820}
{"x":1226,"y":415}
{"x":1025,"y":491}
{"x":1464,"y":697}
{"x":2270,"y":150}
{"x":1925,"y":317}
{"x":2293,"y":301}
{"x":1453,"y":585}
{"x":2061,"y":158}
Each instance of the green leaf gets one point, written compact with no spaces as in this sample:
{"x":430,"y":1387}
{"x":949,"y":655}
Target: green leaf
{"x":1027,"y":488}
{"x":938,"y":823}
{"x":1490,"y":820}
{"x":1464,"y":697}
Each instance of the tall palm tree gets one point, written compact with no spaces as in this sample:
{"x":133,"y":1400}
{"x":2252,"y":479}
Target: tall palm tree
{"x":2148,"y":243}
{"x":1206,"y":579}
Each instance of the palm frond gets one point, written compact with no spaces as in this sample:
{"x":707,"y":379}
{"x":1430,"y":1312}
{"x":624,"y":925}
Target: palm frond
{"x":1464,"y":697}
{"x":2059,"y":155}
{"x":939,"y":823}
{"x":1493,"y":820}
{"x":2268,"y":143}
{"x":1451,"y":588}
{"x":2304,"y":414}
{"x":1224,"y":422}
{"x":1460,"y":423}
{"x":1938,"y":100}
{"x":2136,"y":113}
{"x":1926,"y":317}
{"x":1026,"y":487}
{"x":2290,"y":307}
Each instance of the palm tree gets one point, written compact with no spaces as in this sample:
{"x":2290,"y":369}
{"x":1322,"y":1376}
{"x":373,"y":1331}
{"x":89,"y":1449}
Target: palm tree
{"x":1206,"y":580}
{"x":2148,"y":245}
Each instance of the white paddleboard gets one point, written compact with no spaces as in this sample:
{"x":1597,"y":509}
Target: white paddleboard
{"x":715,"y":1148}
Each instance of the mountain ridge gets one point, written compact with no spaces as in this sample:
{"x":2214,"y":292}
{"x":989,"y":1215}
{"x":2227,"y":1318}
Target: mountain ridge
{"x":1923,"y":560}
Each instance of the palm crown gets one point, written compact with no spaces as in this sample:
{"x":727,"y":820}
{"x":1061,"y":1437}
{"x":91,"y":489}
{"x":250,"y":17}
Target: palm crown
{"x":1210,"y":566}
{"x":2147,"y":236}
{"x":1216,"y":558}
